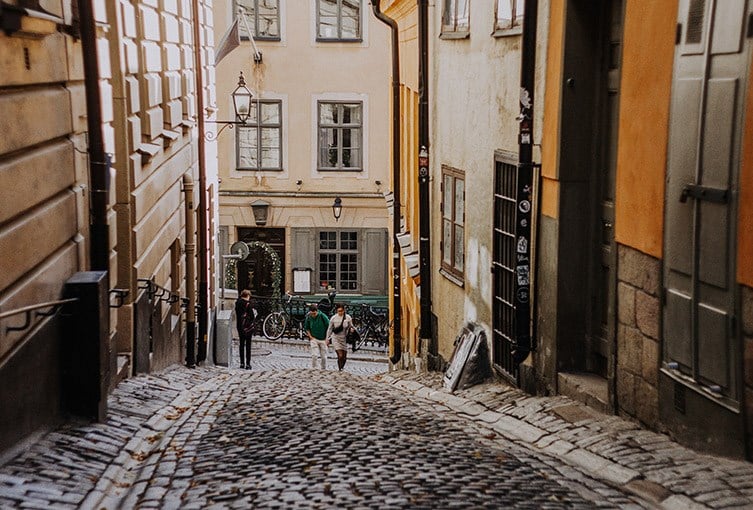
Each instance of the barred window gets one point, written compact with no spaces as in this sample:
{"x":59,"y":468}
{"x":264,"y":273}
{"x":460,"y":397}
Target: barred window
{"x":259,"y":141}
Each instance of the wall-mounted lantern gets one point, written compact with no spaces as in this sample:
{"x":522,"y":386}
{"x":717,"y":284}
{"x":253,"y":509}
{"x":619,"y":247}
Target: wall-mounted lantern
{"x":337,"y":208}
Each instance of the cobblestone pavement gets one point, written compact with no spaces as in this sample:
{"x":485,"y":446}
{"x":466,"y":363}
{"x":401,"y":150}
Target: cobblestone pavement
{"x":280,"y":436}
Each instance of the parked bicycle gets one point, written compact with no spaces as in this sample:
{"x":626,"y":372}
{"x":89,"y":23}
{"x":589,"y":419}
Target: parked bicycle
{"x":373,"y":328}
{"x":327,"y":305}
{"x":287,"y":319}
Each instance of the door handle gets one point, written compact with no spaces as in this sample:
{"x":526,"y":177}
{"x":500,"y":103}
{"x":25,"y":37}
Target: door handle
{"x":715,"y":195}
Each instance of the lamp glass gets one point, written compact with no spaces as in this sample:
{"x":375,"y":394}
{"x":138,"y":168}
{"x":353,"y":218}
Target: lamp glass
{"x":242,"y":100}
{"x":337,"y":208}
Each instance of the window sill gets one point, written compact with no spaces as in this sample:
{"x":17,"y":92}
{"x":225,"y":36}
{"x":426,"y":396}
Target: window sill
{"x":464,"y":34}
{"x":262,"y":38}
{"x":259,"y":169}
{"x":507,"y":32}
{"x":454,"y":279}
{"x":321,"y":40}
{"x":349,"y":170}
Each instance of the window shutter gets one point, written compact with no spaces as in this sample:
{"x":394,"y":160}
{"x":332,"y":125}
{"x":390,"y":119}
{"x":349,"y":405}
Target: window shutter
{"x":374,"y":262}
{"x":303,"y":254}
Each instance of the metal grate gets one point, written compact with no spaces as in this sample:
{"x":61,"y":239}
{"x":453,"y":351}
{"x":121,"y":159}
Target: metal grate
{"x":503,"y":268}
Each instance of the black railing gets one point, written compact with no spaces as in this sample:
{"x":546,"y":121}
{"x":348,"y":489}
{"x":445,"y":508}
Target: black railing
{"x":38,"y":309}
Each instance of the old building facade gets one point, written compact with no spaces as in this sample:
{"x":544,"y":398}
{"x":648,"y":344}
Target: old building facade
{"x":319,"y":131}
{"x":100,"y":145}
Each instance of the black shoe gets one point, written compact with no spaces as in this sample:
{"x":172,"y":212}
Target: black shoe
{"x":248,"y":367}
{"x":243,"y":366}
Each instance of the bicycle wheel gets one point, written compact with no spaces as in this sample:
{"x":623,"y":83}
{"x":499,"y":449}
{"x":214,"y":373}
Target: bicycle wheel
{"x":274,"y":325}
{"x":365,"y":334}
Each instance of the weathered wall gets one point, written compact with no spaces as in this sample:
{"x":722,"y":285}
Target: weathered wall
{"x":745,"y":220}
{"x":647,"y":59}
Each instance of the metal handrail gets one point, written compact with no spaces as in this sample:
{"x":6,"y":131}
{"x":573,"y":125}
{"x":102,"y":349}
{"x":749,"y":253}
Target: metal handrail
{"x":31,"y":308}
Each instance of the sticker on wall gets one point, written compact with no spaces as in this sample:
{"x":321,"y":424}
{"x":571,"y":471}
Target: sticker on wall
{"x":524,"y":223}
{"x":522,"y":245}
{"x":522,"y":275}
{"x":522,"y":295}
{"x":524,"y":206}
{"x":522,"y":258}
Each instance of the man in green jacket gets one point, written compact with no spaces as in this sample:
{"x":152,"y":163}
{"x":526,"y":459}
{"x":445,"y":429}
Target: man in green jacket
{"x":315,"y":326}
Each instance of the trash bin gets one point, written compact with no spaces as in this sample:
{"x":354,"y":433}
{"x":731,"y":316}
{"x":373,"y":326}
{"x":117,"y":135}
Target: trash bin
{"x":224,"y":337}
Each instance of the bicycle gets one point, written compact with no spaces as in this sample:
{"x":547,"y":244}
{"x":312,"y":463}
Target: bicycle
{"x":373,"y":327}
{"x":287,"y":319}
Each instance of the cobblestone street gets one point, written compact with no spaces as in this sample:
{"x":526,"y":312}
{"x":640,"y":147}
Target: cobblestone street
{"x":284,"y":436}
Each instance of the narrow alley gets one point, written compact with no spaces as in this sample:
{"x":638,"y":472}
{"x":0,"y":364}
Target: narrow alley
{"x":285,"y":436}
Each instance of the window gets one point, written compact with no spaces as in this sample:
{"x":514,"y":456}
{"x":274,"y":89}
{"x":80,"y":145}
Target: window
{"x":340,"y":136}
{"x":453,"y":217}
{"x":509,"y":17}
{"x":259,"y":142}
{"x":338,"y":20}
{"x":263,"y":18}
{"x":338,"y":260}
{"x":456,"y":16}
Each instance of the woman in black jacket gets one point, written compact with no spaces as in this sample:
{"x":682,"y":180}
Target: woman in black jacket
{"x":244,"y":317}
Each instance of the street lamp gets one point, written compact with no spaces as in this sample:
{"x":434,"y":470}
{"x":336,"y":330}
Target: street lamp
{"x":337,"y":208}
{"x":241,"y":106}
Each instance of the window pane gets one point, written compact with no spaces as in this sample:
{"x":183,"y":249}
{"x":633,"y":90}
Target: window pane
{"x":270,"y":158}
{"x":459,"y":200}
{"x":327,"y":113}
{"x":248,"y":153}
{"x":328,"y":240}
{"x":447,"y":198}
{"x":351,"y":114}
{"x":328,"y":149}
{"x":267,"y":18}
{"x":351,"y":158}
{"x":348,"y":240}
{"x":519,"y":10}
{"x":350,"y":27}
{"x":462,"y":16}
{"x":328,"y":27}
{"x":459,"y":248}
{"x":270,"y":113}
{"x":270,"y":138}
{"x":504,"y":10}
{"x":446,"y":242}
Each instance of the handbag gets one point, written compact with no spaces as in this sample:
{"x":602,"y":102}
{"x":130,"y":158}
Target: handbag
{"x":353,"y":337}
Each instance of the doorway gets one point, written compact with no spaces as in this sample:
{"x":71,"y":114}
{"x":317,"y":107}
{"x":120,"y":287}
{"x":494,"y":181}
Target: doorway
{"x":256,"y":272}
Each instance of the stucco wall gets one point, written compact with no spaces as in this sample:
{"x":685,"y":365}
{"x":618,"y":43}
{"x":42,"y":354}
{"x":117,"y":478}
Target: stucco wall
{"x":647,"y":59}
{"x":745,"y":225}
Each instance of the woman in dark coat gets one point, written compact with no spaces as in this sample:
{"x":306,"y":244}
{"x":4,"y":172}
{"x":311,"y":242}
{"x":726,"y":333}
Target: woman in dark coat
{"x":244,"y":317}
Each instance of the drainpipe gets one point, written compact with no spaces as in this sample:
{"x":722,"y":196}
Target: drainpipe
{"x":99,"y":162}
{"x":525,"y":179}
{"x":396,"y":304}
{"x":203,"y":232}
{"x":190,"y":271}
{"x":423,"y":176}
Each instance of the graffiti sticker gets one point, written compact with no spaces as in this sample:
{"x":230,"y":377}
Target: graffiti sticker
{"x":522,"y":295}
{"x":522,"y":272}
{"x":522,"y":245}
{"x":524,"y":206}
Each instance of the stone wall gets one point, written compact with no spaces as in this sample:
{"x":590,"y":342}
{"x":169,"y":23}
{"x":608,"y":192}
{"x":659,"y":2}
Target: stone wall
{"x":638,"y":328}
{"x":747,"y":329}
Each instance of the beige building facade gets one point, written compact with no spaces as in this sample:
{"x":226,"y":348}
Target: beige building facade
{"x":125,"y":220}
{"x":322,"y":132}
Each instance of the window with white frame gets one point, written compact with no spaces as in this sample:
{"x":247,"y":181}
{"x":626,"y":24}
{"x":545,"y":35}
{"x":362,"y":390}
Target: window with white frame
{"x":263,"y":17}
{"x":338,"y":260}
{"x":338,"y":20}
{"x":340,"y":145}
{"x":259,"y":141}
{"x":456,"y":16}
{"x":453,"y":221}
{"x":509,"y":16}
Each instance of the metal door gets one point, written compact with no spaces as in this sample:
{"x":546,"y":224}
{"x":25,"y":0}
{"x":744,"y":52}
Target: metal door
{"x":604,"y":277}
{"x":711,"y":60}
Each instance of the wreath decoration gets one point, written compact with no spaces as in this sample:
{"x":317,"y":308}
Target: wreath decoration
{"x":276,"y":265}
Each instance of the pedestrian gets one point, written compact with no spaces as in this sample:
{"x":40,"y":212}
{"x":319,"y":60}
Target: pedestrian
{"x":244,"y":317}
{"x":339,"y":326}
{"x":315,"y":326}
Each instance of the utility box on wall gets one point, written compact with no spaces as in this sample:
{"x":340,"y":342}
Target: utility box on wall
{"x":224,"y":337}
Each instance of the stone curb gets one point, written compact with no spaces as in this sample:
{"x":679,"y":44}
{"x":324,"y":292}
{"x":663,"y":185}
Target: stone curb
{"x":550,"y":443}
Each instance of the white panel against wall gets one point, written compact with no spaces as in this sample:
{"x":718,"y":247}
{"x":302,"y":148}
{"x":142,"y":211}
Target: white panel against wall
{"x":105,"y":89}
{"x":186,"y":34}
{"x":103,"y":57}
{"x":172,"y":57}
{"x":100,"y":11}
{"x":131,"y":56}
{"x":132,"y":91}
{"x":171,"y":28}
{"x":188,"y":57}
{"x":172,"y":86}
{"x":189,"y":82}
{"x":108,"y":133}
{"x":153,"y":89}
{"x":129,"y":19}
{"x":174,"y":113}
{"x":134,"y":126}
{"x":185,"y":9}
{"x":150,"y":24}
{"x":153,"y":122}
{"x":170,"y":6}
{"x":152,"y":56}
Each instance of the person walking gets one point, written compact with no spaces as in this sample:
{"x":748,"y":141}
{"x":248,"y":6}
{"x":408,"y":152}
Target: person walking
{"x":339,"y":326}
{"x":315,"y":326}
{"x":244,"y":317}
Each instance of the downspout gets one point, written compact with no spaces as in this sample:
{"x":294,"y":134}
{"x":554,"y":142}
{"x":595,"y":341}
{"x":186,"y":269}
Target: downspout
{"x":99,"y":162}
{"x":203,"y":244}
{"x":424,"y":210}
{"x":525,"y":179}
{"x":396,"y":303}
{"x":190,"y":271}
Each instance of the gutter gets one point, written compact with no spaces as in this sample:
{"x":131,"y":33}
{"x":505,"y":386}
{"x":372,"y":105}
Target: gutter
{"x":203,"y":228}
{"x":396,"y":298}
{"x":424,"y":211}
{"x":99,"y":162}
